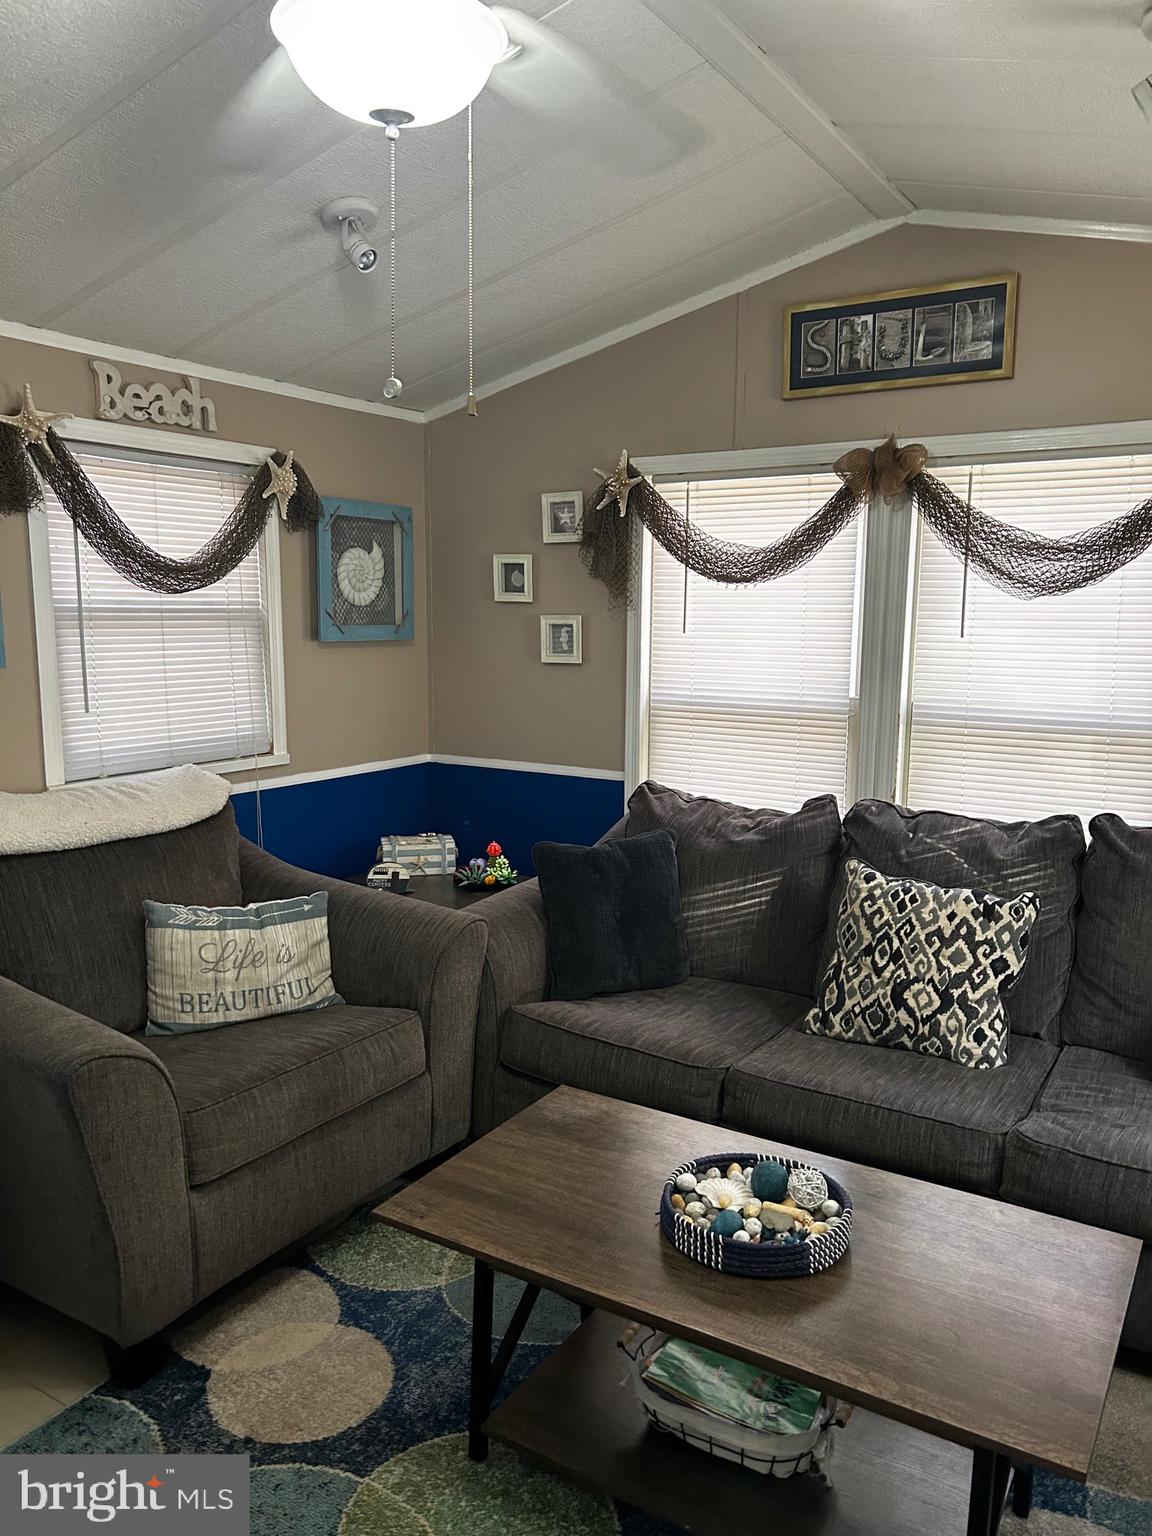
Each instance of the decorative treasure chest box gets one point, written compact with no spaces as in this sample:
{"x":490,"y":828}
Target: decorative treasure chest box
{"x":426,"y":853}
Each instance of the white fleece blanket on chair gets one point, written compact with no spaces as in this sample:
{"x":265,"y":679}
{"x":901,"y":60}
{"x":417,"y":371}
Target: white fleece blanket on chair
{"x":108,"y":810}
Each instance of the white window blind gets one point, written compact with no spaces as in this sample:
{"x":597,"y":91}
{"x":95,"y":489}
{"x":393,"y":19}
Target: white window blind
{"x":1043,"y":705}
{"x":146,"y":680}
{"x":751,"y":687}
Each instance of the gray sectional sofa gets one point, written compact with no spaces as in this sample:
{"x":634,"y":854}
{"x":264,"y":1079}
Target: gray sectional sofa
{"x":1065,"y":1125}
{"x":138,"y":1175}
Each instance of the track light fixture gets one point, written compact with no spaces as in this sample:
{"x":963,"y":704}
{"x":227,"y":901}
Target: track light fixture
{"x":355,"y":217}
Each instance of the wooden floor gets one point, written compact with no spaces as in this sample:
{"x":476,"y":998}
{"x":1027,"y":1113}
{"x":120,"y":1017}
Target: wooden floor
{"x":578,"y":1415}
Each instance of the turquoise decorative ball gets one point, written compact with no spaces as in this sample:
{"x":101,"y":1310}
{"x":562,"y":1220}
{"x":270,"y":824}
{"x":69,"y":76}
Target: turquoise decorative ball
{"x":770,"y":1181}
{"x":727,"y":1222}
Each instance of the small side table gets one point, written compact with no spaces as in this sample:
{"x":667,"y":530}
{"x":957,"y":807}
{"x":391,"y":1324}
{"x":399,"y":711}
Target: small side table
{"x":443,"y":891}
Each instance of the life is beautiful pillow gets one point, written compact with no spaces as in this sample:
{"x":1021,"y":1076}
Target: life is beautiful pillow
{"x":211,"y":966}
{"x":918,"y":967}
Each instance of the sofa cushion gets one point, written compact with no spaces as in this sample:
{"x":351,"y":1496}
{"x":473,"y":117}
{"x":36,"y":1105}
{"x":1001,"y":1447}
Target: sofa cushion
{"x":755,"y":884}
{"x":1085,"y":1151}
{"x":1109,"y":1003}
{"x":669,"y":1049}
{"x":614,"y":921}
{"x":73,"y":926}
{"x":1003,"y":858}
{"x":243,"y":1092}
{"x":913,"y":1114}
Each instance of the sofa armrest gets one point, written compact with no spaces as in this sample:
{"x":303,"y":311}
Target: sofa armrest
{"x":397,"y":952}
{"x":94,"y":1208}
{"x":515,"y":971}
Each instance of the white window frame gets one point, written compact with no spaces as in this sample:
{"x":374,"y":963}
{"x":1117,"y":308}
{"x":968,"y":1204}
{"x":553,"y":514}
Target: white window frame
{"x":85,"y":434}
{"x":879,"y":746}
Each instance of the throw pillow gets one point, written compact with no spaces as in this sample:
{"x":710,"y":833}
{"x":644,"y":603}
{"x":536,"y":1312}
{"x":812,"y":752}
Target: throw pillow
{"x":211,"y":966}
{"x":951,"y":851}
{"x":614,"y":922}
{"x":921,"y":968}
{"x":755,"y":884}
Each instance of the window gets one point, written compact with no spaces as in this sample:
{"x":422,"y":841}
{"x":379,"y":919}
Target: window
{"x":1044,"y":705}
{"x":132,"y":680}
{"x":751,"y":687}
{"x":851,"y":675}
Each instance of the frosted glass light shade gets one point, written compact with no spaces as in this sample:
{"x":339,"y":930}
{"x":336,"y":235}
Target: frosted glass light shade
{"x":429,"y":58}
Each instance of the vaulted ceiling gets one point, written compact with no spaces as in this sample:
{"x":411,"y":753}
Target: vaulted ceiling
{"x":161,"y":168}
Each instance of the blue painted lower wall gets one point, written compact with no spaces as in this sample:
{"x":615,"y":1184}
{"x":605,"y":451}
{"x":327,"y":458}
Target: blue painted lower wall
{"x":520,"y":809}
{"x":334,"y":825}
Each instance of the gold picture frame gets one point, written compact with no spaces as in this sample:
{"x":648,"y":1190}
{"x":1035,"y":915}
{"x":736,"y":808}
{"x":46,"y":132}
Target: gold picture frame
{"x":905,"y":338}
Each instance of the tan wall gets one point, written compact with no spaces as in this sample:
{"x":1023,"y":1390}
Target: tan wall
{"x":711,"y":381}
{"x":346,"y":704}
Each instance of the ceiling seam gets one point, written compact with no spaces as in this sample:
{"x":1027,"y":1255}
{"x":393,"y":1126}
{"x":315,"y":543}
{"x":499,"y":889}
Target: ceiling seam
{"x":580,"y":350}
{"x":801,"y":260}
{"x":136,"y":81}
{"x":526,"y":266}
{"x":405,"y":231}
{"x":193,"y":227}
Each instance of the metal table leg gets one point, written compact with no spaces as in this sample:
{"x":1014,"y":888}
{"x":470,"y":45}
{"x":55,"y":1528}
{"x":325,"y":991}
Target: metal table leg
{"x":487,"y":1372}
{"x":990,"y":1474}
{"x":1022,"y":1481}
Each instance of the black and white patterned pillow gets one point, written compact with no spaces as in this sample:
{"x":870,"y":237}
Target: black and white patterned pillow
{"x":921,"y":968}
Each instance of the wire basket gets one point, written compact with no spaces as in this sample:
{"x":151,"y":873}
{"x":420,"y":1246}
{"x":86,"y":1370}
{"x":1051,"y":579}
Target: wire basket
{"x":759,"y":1261}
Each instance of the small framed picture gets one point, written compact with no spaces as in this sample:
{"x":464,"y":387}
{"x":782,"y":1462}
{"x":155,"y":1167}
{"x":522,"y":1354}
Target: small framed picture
{"x":561,"y":638}
{"x":512,"y":578}
{"x":563,"y":512}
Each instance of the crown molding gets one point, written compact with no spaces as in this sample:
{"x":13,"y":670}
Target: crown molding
{"x":13,"y":330}
{"x":1031,"y":224}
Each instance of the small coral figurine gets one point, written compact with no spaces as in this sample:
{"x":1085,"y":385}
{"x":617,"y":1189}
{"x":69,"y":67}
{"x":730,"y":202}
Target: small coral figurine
{"x":484,"y":874}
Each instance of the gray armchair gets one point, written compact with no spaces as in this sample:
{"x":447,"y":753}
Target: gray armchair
{"x":139,"y":1174}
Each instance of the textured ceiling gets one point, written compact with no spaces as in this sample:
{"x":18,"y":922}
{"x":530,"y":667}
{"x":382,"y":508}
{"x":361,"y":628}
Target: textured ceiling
{"x":161,"y":168}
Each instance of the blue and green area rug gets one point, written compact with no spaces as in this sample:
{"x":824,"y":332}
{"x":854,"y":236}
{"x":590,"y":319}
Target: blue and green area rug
{"x":344,"y":1377}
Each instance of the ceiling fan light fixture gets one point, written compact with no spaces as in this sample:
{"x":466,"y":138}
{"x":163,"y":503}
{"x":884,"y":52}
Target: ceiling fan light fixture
{"x":386,"y":60}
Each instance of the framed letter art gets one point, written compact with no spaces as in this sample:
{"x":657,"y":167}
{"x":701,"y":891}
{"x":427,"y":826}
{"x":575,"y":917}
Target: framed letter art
{"x":950,"y":334}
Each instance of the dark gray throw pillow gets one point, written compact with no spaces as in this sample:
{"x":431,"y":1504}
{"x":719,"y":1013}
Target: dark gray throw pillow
{"x":614,"y":922}
{"x":755,"y":883}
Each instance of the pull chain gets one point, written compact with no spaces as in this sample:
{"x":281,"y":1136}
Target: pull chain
{"x":967,"y":556}
{"x":392,"y":384}
{"x":472,"y":407}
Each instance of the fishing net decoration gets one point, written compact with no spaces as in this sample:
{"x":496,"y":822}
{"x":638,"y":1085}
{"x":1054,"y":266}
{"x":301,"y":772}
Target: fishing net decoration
{"x":1024,"y":564}
{"x":101,"y":526}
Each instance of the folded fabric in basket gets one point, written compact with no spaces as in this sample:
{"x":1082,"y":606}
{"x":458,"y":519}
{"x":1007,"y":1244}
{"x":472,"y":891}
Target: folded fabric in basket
{"x":732,"y":1389}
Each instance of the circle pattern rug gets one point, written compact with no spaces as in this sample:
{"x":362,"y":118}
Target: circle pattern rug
{"x":345,"y":1378}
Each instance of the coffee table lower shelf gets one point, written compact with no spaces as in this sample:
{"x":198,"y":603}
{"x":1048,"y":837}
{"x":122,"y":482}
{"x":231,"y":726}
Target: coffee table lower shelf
{"x":577,"y":1415}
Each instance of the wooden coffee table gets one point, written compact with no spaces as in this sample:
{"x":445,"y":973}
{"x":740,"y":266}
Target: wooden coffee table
{"x":979,"y":1336}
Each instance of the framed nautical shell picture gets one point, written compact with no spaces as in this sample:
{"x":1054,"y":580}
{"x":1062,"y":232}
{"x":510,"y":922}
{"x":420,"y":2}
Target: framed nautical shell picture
{"x":951,"y":333}
{"x":364,"y":571}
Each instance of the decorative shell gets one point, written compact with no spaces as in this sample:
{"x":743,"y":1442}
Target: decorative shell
{"x":808,"y":1187}
{"x":722,"y":1194}
{"x":360,"y":574}
{"x":782,"y":1217}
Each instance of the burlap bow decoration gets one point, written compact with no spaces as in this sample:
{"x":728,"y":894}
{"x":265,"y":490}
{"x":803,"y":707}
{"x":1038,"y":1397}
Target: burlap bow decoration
{"x":883,"y":471}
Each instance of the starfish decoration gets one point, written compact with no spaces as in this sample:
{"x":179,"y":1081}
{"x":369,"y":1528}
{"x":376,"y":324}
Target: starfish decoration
{"x":32,"y":424}
{"x":617,"y":486}
{"x":281,"y":484}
